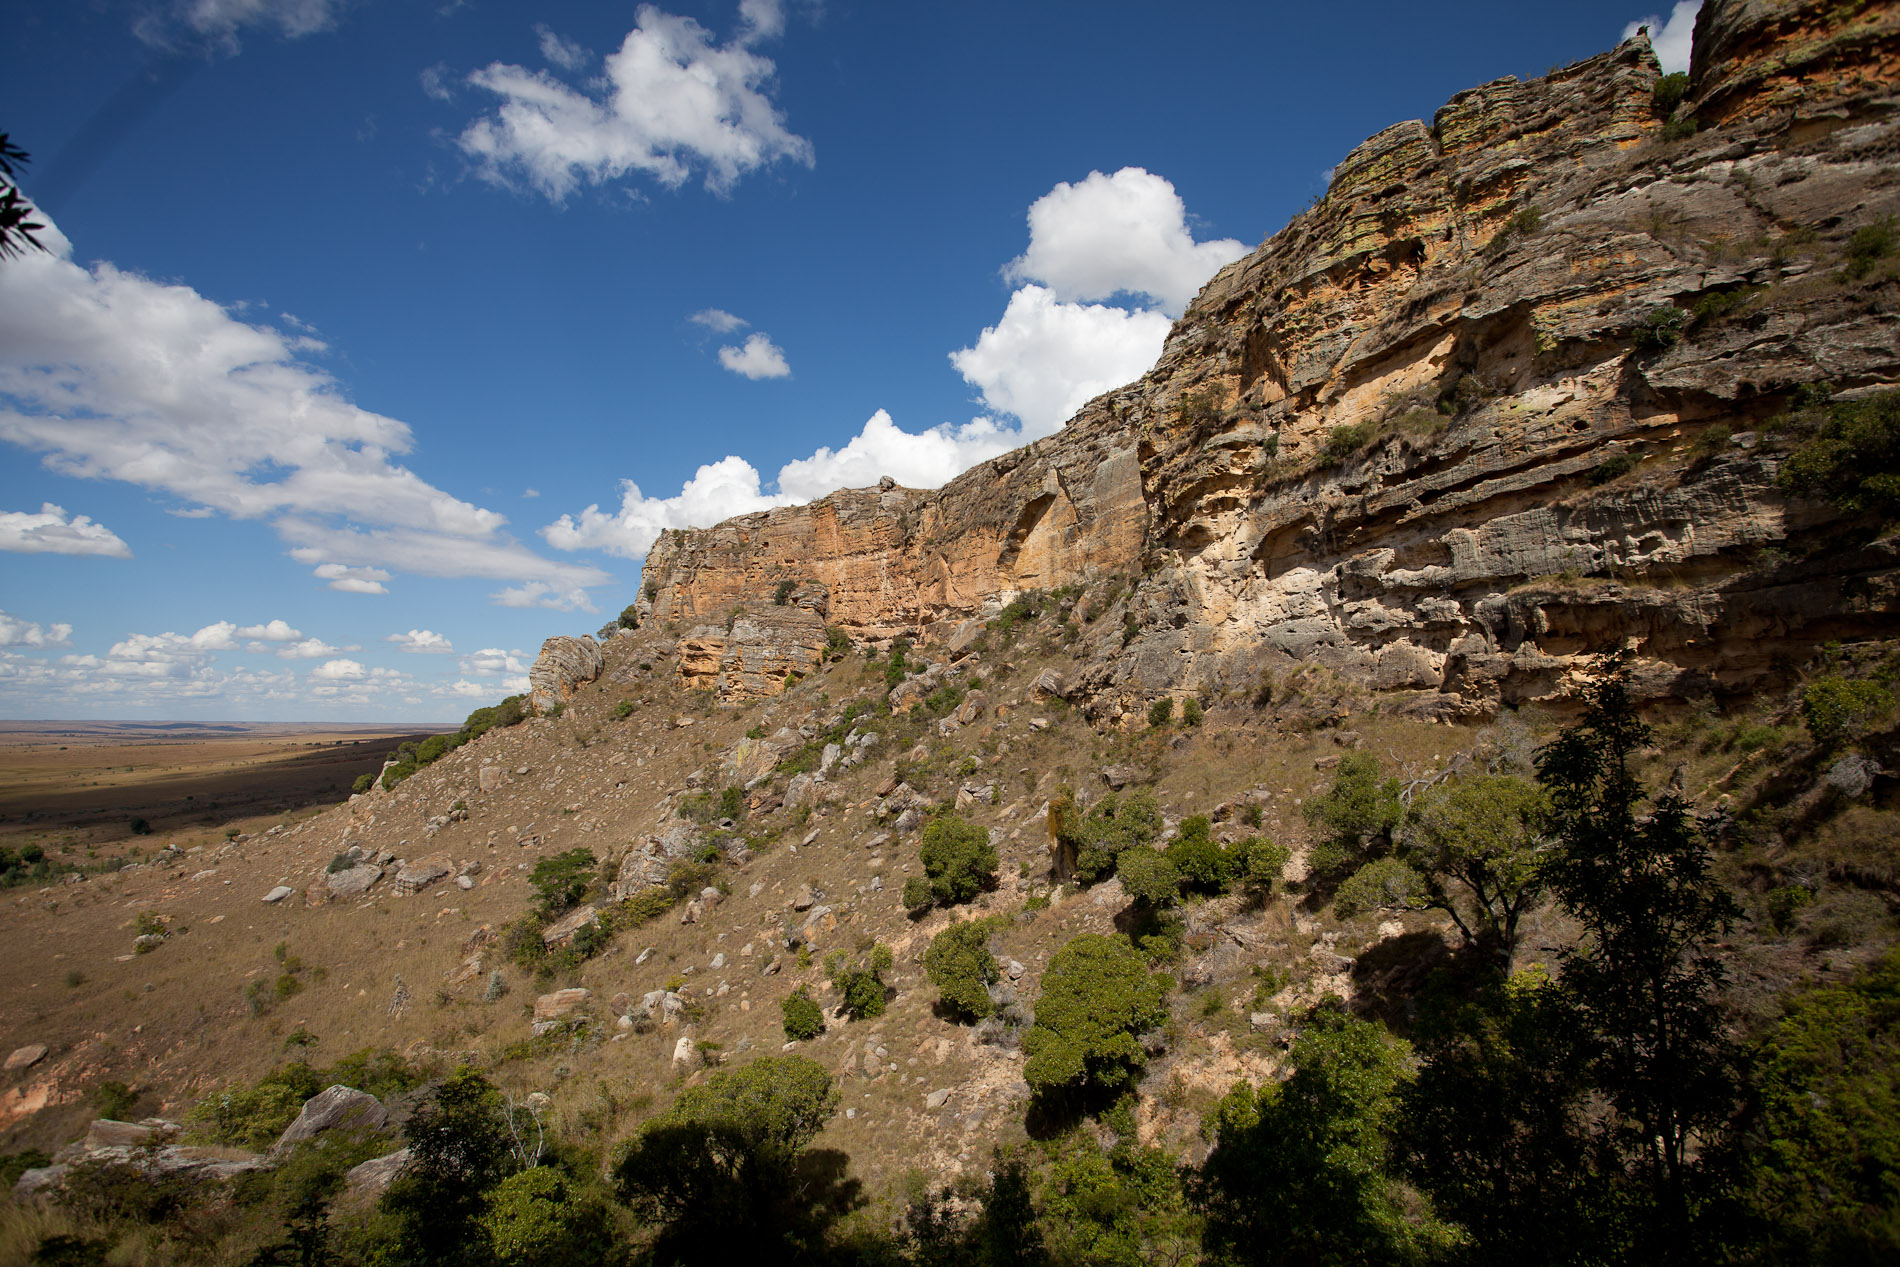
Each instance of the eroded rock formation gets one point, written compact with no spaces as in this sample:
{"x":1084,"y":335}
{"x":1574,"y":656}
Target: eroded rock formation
{"x":1493,"y":403}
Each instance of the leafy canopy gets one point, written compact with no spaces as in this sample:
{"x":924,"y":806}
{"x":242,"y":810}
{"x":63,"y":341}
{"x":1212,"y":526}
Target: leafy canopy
{"x":1097,"y":995}
{"x":960,"y":965}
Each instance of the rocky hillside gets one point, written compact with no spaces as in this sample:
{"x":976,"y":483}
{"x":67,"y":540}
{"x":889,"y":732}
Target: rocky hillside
{"x":1496,"y":399}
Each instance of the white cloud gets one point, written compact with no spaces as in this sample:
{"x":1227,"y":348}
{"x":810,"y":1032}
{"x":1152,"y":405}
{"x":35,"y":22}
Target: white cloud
{"x":1672,"y":40}
{"x":1106,"y":235}
{"x":15,"y":632}
{"x":563,"y":53}
{"x":273,"y":631}
{"x":219,"y":21}
{"x":351,"y":580}
{"x":718,"y":490}
{"x":1045,"y":359}
{"x":493,"y":662}
{"x":51,"y":532}
{"x":488,"y":691}
{"x":760,"y":358}
{"x":548,"y":594}
{"x":531,"y":493}
{"x":421,"y":642}
{"x":308,"y":649}
{"x":112,"y":376}
{"x":922,"y":460}
{"x":763,"y":19}
{"x":672,"y":102}
{"x":339,"y":671}
{"x":717,"y":320}
{"x":434,"y":82}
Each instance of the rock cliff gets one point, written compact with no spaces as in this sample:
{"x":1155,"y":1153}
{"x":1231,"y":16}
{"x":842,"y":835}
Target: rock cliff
{"x":1495,"y":401}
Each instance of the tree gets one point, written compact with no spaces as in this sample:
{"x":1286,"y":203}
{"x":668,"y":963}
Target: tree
{"x":1358,"y":815}
{"x":1821,"y":1160}
{"x":1645,"y":981}
{"x":1090,"y":843}
{"x":1301,"y":1172}
{"x":536,"y":1218}
{"x":860,"y":980}
{"x":1470,"y":850}
{"x":561,"y":880}
{"x":960,"y":965}
{"x":718,"y":1167}
{"x":1204,"y":865}
{"x":959,"y":863}
{"x":804,"y":1020}
{"x":458,"y":1146}
{"x":17,"y":227}
{"x":1097,"y":996}
{"x":1149,"y":877}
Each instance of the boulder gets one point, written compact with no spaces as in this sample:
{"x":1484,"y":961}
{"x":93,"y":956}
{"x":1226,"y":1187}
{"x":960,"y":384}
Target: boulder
{"x":279,"y":893}
{"x":420,"y":874}
{"x":563,"y":665}
{"x":562,"y":931}
{"x":353,"y":881}
{"x":371,"y":1177}
{"x":334,"y":1108}
{"x":490,"y":778}
{"x":550,"y":1010}
{"x":26,"y":1057}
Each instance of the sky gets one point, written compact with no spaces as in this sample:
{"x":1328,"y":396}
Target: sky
{"x":378,"y":339}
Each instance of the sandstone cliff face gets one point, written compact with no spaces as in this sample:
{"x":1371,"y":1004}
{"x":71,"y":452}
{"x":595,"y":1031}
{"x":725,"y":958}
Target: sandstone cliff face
{"x":563,"y":665}
{"x":1392,"y":440}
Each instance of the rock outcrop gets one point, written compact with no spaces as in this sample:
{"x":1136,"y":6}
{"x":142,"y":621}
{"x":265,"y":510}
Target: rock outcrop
{"x":1492,"y":403}
{"x":564,"y":665}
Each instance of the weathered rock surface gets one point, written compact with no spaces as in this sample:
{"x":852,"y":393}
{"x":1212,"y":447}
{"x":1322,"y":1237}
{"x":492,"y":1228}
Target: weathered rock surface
{"x":1467,"y":299}
{"x":562,"y":930}
{"x":334,"y":1108}
{"x":564,"y":665}
{"x":420,"y":874}
{"x":353,"y":881}
{"x":26,"y":1057}
{"x":551,"y":1010}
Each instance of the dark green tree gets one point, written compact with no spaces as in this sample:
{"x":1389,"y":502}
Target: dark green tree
{"x":1355,"y":817}
{"x":959,"y":863}
{"x":561,"y":880}
{"x":718,"y":1169}
{"x":1301,"y":1173}
{"x":860,"y":979}
{"x":960,"y":965}
{"x":1635,"y":873}
{"x":458,"y":1146}
{"x":1097,"y":996}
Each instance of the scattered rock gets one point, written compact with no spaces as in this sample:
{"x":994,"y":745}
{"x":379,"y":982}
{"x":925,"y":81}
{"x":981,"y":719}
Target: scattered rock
{"x":353,"y":881}
{"x":562,"y":931}
{"x":550,"y":1010}
{"x":279,"y":893}
{"x":26,"y":1057}
{"x":420,"y":874}
{"x":371,"y":1177}
{"x":334,"y":1108}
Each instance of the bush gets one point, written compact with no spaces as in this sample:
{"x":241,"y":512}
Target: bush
{"x":623,"y":709}
{"x":1358,"y":814}
{"x":629,"y":617}
{"x":1096,"y":997}
{"x":1661,"y":328}
{"x":561,"y":880}
{"x":536,"y":1218}
{"x":1870,"y":244}
{"x":1343,"y":442}
{"x":1852,"y":459}
{"x":1149,"y":878}
{"x":1161,"y":712}
{"x":1191,"y":711}
{"x":860,"y":980}
{"x":1114,"y":825}
{"x":896,"y":668}
{"x":1669,"y":92}
{"x":115,"y":1100}
{"x":1613,"y":467}
{"x":364,"y":782}
{"x":1837,"y":709}
{"x":804,"y":1019}
{"x":960,"y":965}
{"x":959,"y":861}
{"x":1202,"y":864}
{"x":917,"y":895}
{"x":1265,"y":863}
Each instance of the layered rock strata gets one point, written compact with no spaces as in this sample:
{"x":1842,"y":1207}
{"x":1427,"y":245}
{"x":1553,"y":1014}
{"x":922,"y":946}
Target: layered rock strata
{"x":1493,"y":403}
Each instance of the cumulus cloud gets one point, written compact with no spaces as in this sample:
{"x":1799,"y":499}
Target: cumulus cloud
{"x":339,"y":671}
{"x":563,"y":53}
{"x":15,"y":632}
{"x":421,"y":642}
{"x":1671,"y":39}
{"x":109,"y":375}
{"x":52,"y":532}
{"x":718,"y":320}
{"x":271,"y":631}
{"x":307,"y":649}
{"x":434,"y":80}
{"x":1106,"y":235}
{"x":546,"y":594}
{"x":1045,"y":359}
{"x":672,"y":102}
{"x":759,"y":358}
{"x":219,"y":21}
{"x":349,"y":580}
{"x":494,"y":662}
{"x":487,"y":691}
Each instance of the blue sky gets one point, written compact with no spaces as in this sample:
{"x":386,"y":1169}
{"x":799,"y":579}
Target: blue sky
{"x":380,"y":336}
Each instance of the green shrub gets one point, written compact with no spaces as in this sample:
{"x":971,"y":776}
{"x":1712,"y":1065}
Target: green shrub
{"x":1852,"y":458}
{"x":1191,"y":711}
{"x":115,"y":1100}
{"x":1343,"y":442}
{"x":860,"y":980}
{"x":1161,"y":712}
{"x":340,"y":862}
{"x":804,"y":1020}
{"x":1612,"y":467}
{"x":364,"y":782}
{"x":561,"y":880}
{"x":1265,"y":863}
{"x":1097,"y":996}
{"x":1357,"y":814}
{"x":960,"y":965}
{"x":1680,"y":129}
{"x":959,"y":861}
{"x":1115,"y":823}
{"x":917,"y":897}
{"x":623,"y":709}
{"x":1149,"y":877}
{"x":1870,"y":244}
{"x":1203,"y":864}
{"x":784,"y":592}
{"x":897,"y":667}
{"x":539,"y":1217}
{"x":630,"y":616}
{"x":1661,"y":328}
{"x":1838,"y":709}
{"x":1669,"y":92}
